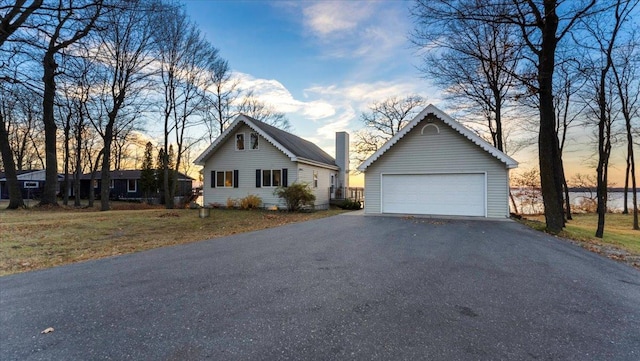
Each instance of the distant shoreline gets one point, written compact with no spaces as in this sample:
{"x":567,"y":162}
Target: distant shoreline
{"x":586,"y":189}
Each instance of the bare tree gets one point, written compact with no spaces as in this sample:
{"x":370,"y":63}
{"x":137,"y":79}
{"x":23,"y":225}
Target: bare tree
{"x":474,"y":62}
{"x":15,"y":196}
{"x":60,"y":27}
{"x":263,"y":112}
{"x":221,"y":95}
{"x":122,"y":56}
{"x":384,"y":120}
{"x":568,"y":83}
{"x":185,"y":58}
{"x":626,"y":72}
{"x":604,"y":34}
{"x":541,"y":30}
{"x":12,"y":17}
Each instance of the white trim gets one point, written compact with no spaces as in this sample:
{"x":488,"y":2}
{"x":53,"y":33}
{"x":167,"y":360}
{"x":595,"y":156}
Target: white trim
{"x":314,"y":163}
{"x":244,"y":142}
{"x":224,"y":179}
{"x":257,"y":141}
{"x":431,"y":109}
{"x":201,"y":160}
{"x":32,"y":185}
{"x":486,"y":186}
{"x":270,"y":178}
{"x":135,"y":186}
{"x":430,"y":125}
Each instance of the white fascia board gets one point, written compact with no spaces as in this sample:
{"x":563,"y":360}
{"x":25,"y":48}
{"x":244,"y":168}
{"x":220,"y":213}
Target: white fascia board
{"x":202,"y":158}
{"x":315,"y":163}
{"x":431,"y":109}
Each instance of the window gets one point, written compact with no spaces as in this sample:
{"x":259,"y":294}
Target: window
{"x":31,"y":184}
{"x":254,"y":141}
{"x":315,"y":179}
{"x":132,"y":185}
{"x":275,"y":178}
{"x":227,"y":179}
{"x":240,"y":141}
{"x":266,"y":178}
{"x":271,"y":178}
{"x":112,"y":184}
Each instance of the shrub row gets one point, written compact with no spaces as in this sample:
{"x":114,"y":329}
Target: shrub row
{"x":350,"y":204}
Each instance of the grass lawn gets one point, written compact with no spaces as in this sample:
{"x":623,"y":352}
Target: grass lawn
{"x":620,"y":240}
{"x":37,"y":238}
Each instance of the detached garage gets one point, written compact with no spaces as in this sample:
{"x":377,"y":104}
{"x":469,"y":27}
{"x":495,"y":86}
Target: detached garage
{"x":436,"y":166}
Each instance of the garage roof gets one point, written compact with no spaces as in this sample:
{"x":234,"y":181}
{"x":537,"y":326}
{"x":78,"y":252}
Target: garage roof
{"x":432,"y":110}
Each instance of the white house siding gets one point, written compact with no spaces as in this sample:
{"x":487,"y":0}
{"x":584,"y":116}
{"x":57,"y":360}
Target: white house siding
{"x":305,"y":175}
{"x":227,"y":158}
{"x":446,"y":152}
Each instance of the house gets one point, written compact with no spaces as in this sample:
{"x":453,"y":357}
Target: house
{"x":252,"y":157}
{"x":436,"y":166}
{"x":31,"y":183}
{"x":125,"y":185}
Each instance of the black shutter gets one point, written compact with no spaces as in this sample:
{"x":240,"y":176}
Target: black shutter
{"x":235,"y":178}
{"x":285,"y":180}
{"x":213,"y":179}
{"x":258,"y":178}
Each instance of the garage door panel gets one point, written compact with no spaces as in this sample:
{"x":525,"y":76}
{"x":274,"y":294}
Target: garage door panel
{"x":437,"y":194}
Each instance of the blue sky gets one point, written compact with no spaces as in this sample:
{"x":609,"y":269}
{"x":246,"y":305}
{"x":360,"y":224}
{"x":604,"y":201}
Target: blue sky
{"x":322,"y":63}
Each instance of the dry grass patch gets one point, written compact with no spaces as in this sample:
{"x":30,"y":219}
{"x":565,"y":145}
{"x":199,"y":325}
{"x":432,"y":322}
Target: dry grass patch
{"x":35,"y":239}
{"x":620,"y":241}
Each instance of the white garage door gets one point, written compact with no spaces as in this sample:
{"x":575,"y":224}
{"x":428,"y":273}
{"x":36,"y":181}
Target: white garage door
{"x":437,"y":194}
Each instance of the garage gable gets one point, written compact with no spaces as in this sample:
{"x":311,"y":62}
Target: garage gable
{"x":431,"y":110}
{"x":436,"y":166}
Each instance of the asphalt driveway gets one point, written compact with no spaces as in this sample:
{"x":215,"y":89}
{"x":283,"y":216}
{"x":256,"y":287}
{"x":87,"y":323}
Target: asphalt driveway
{"x":340,"y":288}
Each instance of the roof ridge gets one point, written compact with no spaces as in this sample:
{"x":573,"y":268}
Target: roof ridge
{"x":453,"y":124}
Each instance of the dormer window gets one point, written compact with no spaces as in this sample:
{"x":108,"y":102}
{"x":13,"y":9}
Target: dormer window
{"x":240,"y":141}
{"x":254,"y":141}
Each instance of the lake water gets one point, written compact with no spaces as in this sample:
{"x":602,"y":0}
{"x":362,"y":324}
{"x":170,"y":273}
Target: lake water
{"x":615,"y":201}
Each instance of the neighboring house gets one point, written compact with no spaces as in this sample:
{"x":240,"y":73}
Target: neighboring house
{"x":31,"y":183}
{"x":125,"y":185}
{"x":436,"y":166}
{"x":251,"y":157}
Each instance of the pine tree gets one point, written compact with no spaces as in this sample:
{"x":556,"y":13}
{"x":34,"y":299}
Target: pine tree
{"x":148,"y":183}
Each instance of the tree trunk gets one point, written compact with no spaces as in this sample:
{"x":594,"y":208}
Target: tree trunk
{"x":15,"y":195}
{"x":106,"y":168}
{"x":625,"y":196}
{"x":498,"y":114}
{"x":48,"y":96}
{"x":632,"y":171}
{"x":604,"y":150}
{"x":567,"y":200}
{"x":92,"y":191}
{"x":78,"y":172}
{"x":550,"y":160}
{"x":513,"y":202}
{"x":67,"y":130}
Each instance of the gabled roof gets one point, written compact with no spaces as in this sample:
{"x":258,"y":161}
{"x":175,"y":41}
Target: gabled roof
{"x":129,"y":174}
{"x":22,"y":173}
{"x":294,"y":147}
{"x":464,"y":131}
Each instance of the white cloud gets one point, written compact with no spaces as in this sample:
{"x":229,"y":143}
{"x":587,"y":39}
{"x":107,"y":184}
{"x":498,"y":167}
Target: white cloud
{"x":329,"y":109}
{"x":361,"y":95}
{"x":368,"y":30}
{"x":277,"y":95}
{"x":332,"y":17}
